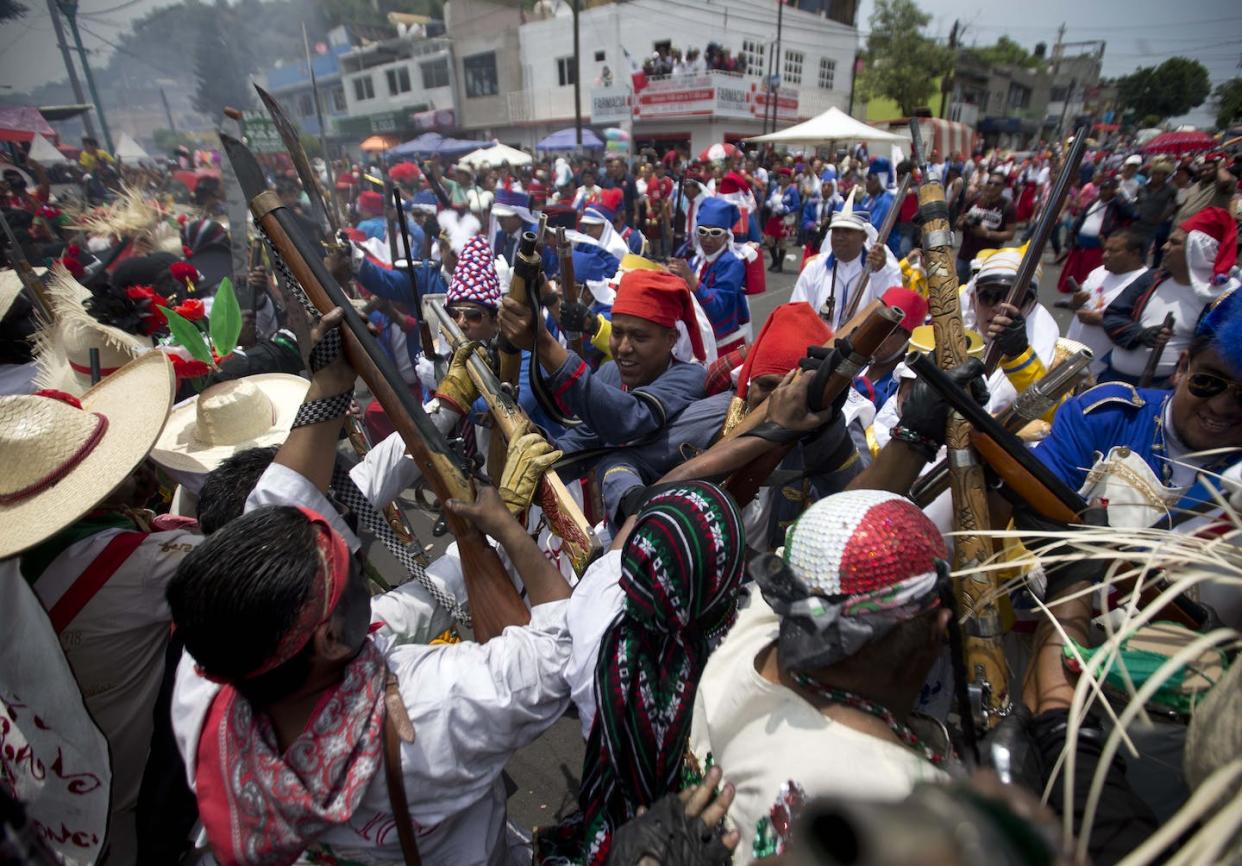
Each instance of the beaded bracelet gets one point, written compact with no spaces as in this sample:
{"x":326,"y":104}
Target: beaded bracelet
{"x":925,"y":445}
{"x":319,"y":411}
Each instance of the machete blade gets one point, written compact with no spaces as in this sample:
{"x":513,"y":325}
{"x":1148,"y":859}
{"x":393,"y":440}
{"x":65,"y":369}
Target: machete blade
{"x":310,"y":181}
{"x":245,"y":166}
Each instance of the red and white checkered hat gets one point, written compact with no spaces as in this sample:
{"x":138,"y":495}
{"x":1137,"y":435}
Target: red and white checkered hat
{"x":474,"y":278}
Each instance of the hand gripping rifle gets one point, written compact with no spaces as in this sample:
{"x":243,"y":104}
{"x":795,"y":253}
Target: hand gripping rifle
{"x":1039,"y":237}
{"x":1157,"y":352}
{"x":494,"y":602}
{"x":1031,"y":405}
{"x":986,"y":670}
{"x":745,"y":482}
{"x":564,"y":515}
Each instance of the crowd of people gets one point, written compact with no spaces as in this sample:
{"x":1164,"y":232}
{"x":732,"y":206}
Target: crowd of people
{"x":720,"y":547}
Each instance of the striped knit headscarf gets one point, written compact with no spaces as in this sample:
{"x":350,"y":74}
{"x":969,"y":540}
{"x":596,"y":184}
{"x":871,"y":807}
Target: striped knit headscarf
{"x":680,"y":570}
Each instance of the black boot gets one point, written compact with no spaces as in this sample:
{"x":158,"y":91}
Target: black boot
{"x":772,"y":267}
{"x":780,"y":261}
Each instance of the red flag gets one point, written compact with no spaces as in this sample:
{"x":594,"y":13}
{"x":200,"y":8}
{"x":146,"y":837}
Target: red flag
{"x":637,"y":77}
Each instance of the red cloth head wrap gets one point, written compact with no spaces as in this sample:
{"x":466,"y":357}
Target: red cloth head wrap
{"x":786,"y":335}
{"x":662,"y":298}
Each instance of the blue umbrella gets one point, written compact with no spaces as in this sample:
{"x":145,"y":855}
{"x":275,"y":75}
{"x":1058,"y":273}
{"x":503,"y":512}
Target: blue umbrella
{"x":431,"y":143}
{"x":567,"y":139}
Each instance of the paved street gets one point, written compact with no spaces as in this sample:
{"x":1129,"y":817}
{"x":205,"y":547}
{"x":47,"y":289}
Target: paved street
{"x":545,"y":774}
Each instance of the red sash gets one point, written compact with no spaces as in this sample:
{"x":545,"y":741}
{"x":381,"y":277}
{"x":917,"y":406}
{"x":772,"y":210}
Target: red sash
{"x":93,"y":578}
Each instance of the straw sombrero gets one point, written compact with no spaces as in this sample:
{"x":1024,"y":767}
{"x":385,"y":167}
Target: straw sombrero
{"x":11,"y":287}
{"x":60,"y":461}
{"x":228,"y":417}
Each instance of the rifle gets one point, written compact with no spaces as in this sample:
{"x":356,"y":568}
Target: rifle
{"x":494,"y":601}
{"x":1028,"y":480}
{"x":886,"y":228}
{"x":565,"y":516}
{"x":523,"y":287}
{"x":1039,"y":237}
{"x":986,"y":669}
{"x":325,"y":216}
{"x":745,"y":482}
{"x":436,"y":188}
{"x":424,"y":329}
{"x":569,"y":286}
{"x":1031,"y":405}
{"x":25,"y":273}
{"x":1157,"y":351}
{"x":679,"y":220}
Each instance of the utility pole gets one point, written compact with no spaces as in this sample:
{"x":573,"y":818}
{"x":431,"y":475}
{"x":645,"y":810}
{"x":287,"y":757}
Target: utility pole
{"x":69,"y":67}
{"x":946,"y":84}
{"x":69,"y":8}
{"x":773,"y":85}
{"x":172,"y":126}
{"x":577,"y":77}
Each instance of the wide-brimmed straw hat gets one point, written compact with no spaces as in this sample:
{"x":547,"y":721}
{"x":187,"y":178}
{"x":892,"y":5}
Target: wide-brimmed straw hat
{"x":253,"y":412}
{"x":11,"y":287}
{"x":63,"y":456}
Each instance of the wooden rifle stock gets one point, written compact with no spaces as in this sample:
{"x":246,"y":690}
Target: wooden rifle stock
{"x":494,"y":602}
{"x":886,"y":228}
{"x":569,"y":285}
{"x":1149,"y":371}
{"x":1032,"y":404}
{"x":1039,"y":237}
{"x":986,"y":670}
{"x":562,"y":511}
{"x":510,"y":366}
{"x":744,"y":483}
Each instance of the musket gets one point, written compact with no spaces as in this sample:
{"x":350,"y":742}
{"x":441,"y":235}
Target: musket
{"x":1039,"y":237}
{"x":986,"y":669}
{"x":886,"y":228}
{"x":523,"y":287}
{"x":394,"y":254}
{"x":1031,"y":405}
{"x":25,"y":273}
{"x":744,"y":482}
{"x":328,"y":221}
{"x":569,"y":286}
{"x":494,"y":602}
{"x":1027,"y":480}
{"x":424,"y":330}
{"x":361,"y":443}
{"x":436,"y":188}
{"x":564,"y":515}
{"x":1157,"y":350}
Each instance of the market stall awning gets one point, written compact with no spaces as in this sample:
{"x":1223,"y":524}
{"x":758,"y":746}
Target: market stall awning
{"x":432,"y":143}
{"x":53,"y":113}
{"x":129,"y":150}
{"x":22,"y":123}
{"x":833,"y":125}
{"x":496,"y":154}
{"x":1178,"y":143}
{"x":567,"y":139}
{"x":378,"y":143}
{"x":44,"y":152}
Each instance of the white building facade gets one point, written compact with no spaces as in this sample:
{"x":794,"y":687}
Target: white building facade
{"x":692,"y":111}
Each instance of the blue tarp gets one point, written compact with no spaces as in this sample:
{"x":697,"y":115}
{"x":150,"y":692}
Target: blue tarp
{"x":432,"y":143}
{"x":567,"y":139}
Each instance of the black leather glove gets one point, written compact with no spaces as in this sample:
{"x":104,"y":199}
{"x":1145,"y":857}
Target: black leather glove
{"x":578,"y":319}
{"x":666,"y":834}
{"x":1012,"y":339}
{"x":1062,"y":574}
{"x":925,"y":412}
{"x":822,"y":361}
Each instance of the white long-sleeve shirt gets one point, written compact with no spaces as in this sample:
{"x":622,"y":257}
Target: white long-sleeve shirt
{"x":814,"y":284}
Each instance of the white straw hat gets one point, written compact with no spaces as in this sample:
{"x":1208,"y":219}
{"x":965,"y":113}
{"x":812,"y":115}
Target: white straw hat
{"x":60,"y":461}
{"x":11,"y":287}
{"x":229,"y":417}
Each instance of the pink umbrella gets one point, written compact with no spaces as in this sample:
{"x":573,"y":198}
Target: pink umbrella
{"x":1178,"y":143}
{"x":718,"y":152}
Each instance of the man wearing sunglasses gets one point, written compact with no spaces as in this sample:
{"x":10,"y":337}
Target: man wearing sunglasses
{"x":1142,"y":450}
{"x":717,"y":276}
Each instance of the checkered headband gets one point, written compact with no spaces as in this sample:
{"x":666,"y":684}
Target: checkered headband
{"x":474,"y":278}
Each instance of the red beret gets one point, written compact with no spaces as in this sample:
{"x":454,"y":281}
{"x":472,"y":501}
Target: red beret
{"x":371,"y":203}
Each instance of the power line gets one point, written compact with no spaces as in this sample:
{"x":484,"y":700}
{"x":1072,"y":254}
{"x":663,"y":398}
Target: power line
{"x":91,"y":14}
{"x":129,"y":53}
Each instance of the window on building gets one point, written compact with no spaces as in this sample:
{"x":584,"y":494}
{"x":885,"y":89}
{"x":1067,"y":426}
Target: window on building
{"x":600,"y":56}
{"x":1058,"y":93}
{"x":436,"y":74}
{"x":827,"y":73}
{"x":338,"y":100}
{"x":566,"y":73}
{"x":479,"y":71}
{"x":306,"y":106}
{"x":1019,"y":96}
{"x":363,"y":88}
{"x":753,"y":53}
{"x":398,"y":80}
{"x":793,"y":67}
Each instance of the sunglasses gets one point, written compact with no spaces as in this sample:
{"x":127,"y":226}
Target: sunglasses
{"x":470,"y":315}
{"x":992,"y":298}
{"x":709,"y":232}
{"x":1205,"y":386}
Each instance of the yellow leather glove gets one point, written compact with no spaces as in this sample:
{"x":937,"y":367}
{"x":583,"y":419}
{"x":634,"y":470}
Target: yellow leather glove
{"x":529,"y":457}
{"x":457,"y":389}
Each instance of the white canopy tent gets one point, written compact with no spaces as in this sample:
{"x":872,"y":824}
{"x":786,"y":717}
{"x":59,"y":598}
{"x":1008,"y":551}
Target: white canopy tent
{"x":833,"y":125}
{"x":494,"y":155}
{"x":129,"y":150}
{"x":44,"y":152}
